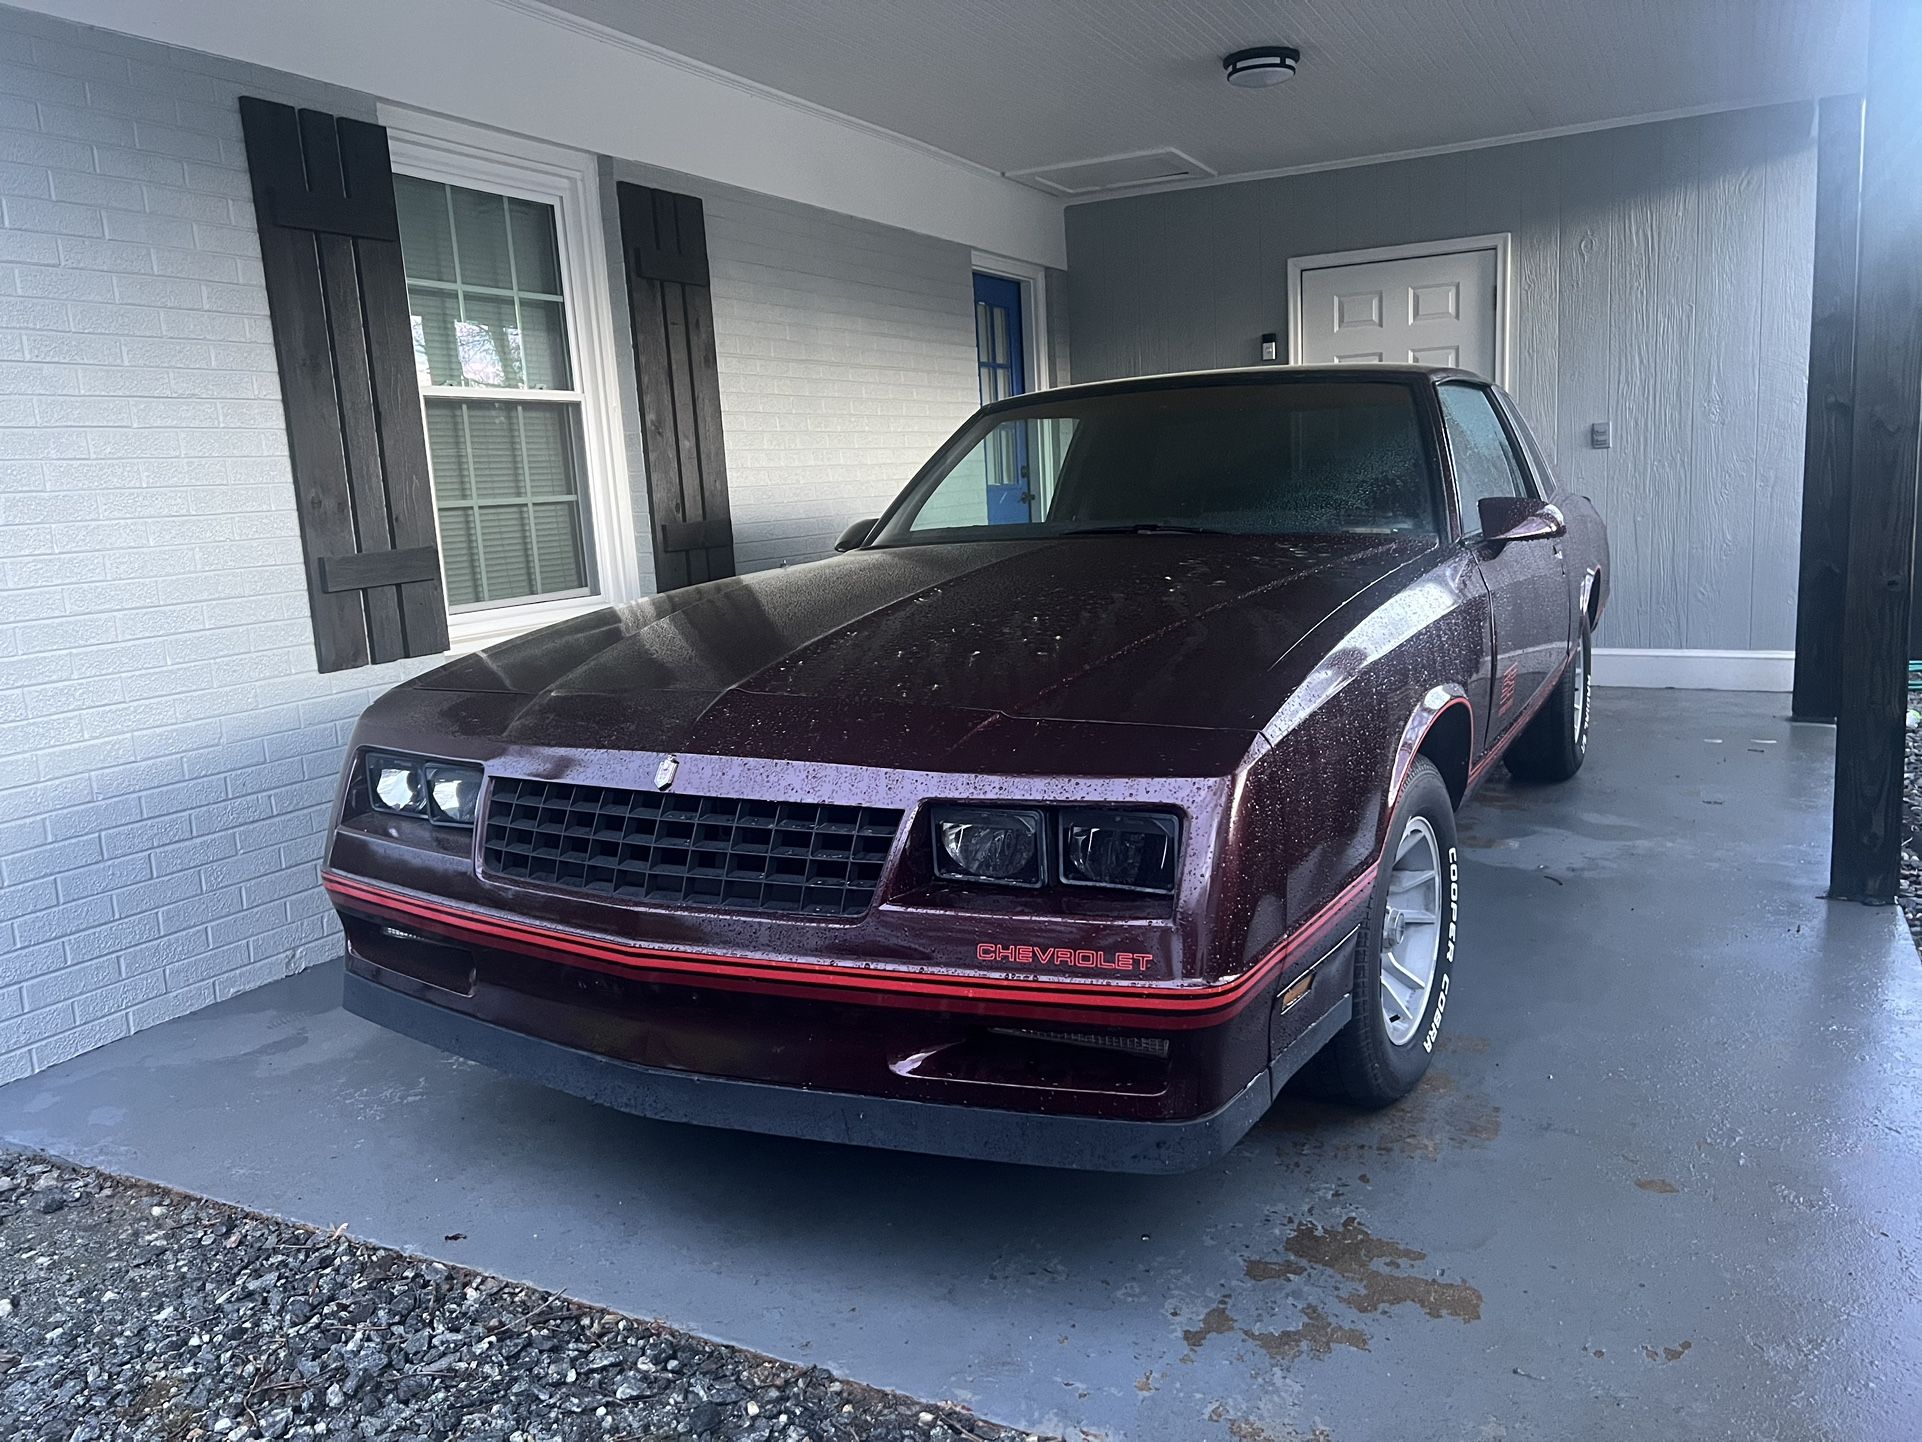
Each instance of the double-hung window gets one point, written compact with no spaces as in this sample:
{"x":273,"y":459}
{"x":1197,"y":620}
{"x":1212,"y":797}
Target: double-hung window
{"x":509,"y":313}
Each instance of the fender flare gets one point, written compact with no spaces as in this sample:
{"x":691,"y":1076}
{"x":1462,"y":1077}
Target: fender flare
{"x":1433,"y":705}
{"x":1590,"y":578}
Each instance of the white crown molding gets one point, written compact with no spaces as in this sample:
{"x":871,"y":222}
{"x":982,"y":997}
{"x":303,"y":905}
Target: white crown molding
{"x":1153,"y":187}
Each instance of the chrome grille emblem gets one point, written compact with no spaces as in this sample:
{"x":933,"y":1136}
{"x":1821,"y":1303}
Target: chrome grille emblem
{"x":665,"y":772}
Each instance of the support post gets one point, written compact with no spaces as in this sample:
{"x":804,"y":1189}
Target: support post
{"x":1866,"y":846}
{"x":1831,"y":406}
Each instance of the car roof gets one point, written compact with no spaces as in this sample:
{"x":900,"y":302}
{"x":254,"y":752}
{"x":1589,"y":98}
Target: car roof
{"x":1256,"y":374}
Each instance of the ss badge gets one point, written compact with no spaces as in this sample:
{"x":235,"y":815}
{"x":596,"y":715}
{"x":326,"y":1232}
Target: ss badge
{"x":664,"y":773}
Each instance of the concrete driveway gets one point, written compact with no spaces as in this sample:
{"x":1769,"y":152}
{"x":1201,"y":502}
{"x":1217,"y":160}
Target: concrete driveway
{"x":1661,"y":1181}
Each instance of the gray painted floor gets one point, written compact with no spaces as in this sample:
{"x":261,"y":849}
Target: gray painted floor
{"x":1664,"y":1180}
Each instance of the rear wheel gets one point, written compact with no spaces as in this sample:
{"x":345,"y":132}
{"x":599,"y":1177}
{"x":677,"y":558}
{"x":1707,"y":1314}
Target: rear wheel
{"x":1551,"y":747}
{"x":1404,"y":954}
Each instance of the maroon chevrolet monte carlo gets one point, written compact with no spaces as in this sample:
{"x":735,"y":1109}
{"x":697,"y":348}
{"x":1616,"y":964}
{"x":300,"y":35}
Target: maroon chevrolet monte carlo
{"x":1102,"y":784}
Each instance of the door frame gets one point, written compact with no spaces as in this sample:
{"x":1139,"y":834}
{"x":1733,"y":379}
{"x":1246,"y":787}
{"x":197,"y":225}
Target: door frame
{"x":1501,"y":242}
{"x":1036,"y":354}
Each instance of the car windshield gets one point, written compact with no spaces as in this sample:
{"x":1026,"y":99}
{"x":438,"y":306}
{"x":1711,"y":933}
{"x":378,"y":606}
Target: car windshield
{"x":1265,"y":458}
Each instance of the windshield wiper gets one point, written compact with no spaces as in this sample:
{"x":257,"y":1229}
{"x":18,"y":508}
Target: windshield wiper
{"x":1143,"y":528}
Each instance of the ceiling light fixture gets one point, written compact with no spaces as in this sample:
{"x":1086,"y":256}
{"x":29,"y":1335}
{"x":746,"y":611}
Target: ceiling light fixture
{"x":1261,"y":66}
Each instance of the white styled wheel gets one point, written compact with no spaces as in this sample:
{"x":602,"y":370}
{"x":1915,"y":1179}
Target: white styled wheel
{"x":1411,"y":930}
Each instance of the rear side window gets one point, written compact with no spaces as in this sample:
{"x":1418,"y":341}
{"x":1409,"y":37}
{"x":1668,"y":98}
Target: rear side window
{"x":1485,"y":459}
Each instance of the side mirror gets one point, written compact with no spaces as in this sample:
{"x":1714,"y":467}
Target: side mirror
{"x":1519,"y":518}
{"x":857,"y":534}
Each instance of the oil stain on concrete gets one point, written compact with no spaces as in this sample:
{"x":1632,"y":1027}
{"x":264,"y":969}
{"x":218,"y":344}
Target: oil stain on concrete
{"x":1370,"y":1275}
{"x":1262,"y":1269}
{"x":1215,"y":1322}
{"x":1375,"y":1268}
{"x":1317,"y":1336}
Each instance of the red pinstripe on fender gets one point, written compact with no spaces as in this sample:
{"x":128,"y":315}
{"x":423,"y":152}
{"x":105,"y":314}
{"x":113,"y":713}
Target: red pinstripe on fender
{"x":1156,"y":1006}
{"x":1411,"y":743}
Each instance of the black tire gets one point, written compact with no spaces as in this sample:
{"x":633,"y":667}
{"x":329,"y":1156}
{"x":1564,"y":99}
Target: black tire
{"x":1362,"y":1066}
{"x":1551,"y":747}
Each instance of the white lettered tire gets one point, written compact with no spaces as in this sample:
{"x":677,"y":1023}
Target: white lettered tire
{"x":1404,"y":953}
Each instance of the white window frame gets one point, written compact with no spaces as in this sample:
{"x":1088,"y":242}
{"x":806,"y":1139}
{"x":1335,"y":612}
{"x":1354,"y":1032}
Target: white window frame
{"x":1037,"y":349}
{"x":1036,"y":353}
{"x":431,"y":147}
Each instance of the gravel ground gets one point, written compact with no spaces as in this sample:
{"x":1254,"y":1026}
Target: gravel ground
{"x":130,"y":1313}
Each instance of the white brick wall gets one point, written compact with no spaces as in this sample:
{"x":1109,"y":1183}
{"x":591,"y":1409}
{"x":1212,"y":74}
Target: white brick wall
{"x":846,"y":355}
{"x":167,"y":752}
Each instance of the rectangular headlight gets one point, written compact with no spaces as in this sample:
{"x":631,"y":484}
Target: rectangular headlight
{"x":395,"y":784}
{"x":1004,"y":845}
{"x":445,"y":792}
{"x":453,"y":792}
{"x":1121,"y":850}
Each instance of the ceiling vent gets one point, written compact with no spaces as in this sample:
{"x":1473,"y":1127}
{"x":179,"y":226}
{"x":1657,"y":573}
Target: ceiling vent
{"x":1113,"y":172}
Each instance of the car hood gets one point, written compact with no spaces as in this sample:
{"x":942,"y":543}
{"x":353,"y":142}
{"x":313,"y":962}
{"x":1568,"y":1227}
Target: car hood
{"x":936,"y":643}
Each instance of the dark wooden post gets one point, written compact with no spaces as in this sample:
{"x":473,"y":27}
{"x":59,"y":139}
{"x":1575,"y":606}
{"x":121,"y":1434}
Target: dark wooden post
{"x":1865,"y":853}
{"x":1825,"y":456}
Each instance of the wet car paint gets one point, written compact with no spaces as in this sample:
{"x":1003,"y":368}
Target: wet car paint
{"x":1274,"y":690}
{"x":1113,"y":630}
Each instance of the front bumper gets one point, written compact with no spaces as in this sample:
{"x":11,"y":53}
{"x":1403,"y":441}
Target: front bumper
{"x":1117,"y":1076}
{"x":947,"y":1129}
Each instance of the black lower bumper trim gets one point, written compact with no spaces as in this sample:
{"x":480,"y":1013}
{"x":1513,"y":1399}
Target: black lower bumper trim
{"x":985,"y":1133}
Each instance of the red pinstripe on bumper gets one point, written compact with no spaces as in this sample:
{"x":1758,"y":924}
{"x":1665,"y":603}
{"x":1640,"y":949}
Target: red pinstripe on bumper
{"x":1162,"y":1006}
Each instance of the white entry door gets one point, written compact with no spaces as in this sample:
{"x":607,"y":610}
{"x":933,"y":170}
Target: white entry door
{"x":1428,"y":309}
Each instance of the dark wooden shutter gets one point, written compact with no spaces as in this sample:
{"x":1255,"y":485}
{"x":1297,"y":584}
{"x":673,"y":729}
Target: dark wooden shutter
{"x":330,"y":247}
{"x":665,"y":239}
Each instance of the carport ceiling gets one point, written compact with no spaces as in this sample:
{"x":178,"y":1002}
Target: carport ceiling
{"x":1016,"y":85}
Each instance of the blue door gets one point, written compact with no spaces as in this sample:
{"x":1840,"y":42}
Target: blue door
{"x":999,"y":349}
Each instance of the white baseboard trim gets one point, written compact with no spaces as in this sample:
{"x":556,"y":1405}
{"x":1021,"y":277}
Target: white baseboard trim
{"x":1695,"y":670}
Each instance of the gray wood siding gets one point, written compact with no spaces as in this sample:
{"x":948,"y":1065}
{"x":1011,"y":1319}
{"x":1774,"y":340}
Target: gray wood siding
{"x":1661,"y":278}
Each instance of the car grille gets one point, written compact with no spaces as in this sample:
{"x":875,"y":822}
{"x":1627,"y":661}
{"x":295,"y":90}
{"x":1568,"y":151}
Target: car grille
{"x":717,"y":851}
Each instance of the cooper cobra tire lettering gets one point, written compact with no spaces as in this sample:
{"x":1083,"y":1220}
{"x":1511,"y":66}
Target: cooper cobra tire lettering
{"x":1363,"y":1065}
{"x":1448,"y":957}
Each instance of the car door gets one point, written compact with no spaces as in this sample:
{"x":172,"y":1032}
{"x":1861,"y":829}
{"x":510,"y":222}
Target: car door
{"x":1527,"y":581}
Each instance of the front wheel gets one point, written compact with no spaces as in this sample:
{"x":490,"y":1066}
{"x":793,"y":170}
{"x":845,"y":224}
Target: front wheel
{"x":1404,"y":954}
{"x":1551,"y":747}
